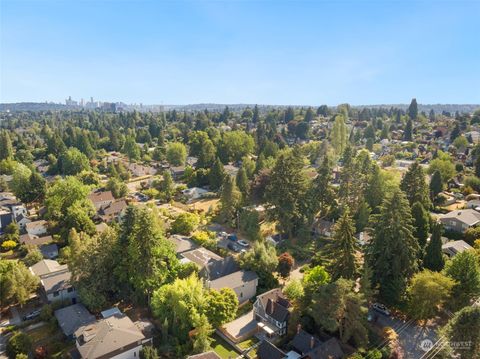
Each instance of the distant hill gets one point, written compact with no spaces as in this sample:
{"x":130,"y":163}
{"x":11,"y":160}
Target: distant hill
{"x":44,"y":106}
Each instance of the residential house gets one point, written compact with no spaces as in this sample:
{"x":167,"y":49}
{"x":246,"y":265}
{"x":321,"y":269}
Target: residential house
{"x":267,"y":350}
{"x":71,"y":318}
{"x":177,"y":172}
{"x":226,"y":273}
{"x":113,"y":211}
{"x":182,"y":244}
{"x":460,"y":220}
{"x":452,"y":248}
{"x":55,"y":281}
{"x":114,"y":337}
{"x":138,"y":170}
{"x":271,"y":310}
{"x":33,"y":240}
{"x":37,"y":228}
{"x":194,"y":193}
{"x":322,"y":227}
{"x":101,"y":199}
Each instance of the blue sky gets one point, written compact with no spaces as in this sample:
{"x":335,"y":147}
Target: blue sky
{"x":264,"y":51}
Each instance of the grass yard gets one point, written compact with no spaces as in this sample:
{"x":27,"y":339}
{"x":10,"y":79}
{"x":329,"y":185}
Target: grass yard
{"x":247,"y":344}
{"x":222,"y":348}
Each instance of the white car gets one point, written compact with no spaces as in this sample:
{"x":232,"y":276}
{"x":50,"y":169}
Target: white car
{"x":381,"y":308}
{"x":243,"y":243}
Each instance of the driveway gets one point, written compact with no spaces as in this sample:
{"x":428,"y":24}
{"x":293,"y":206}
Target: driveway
{"x":410,"y":335}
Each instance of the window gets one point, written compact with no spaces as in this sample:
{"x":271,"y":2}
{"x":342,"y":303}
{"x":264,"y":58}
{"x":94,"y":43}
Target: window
{"x":241,"y":294}
{"x":135,"y":354}
{"x":70,"y":290}
{"x":56,"y":294}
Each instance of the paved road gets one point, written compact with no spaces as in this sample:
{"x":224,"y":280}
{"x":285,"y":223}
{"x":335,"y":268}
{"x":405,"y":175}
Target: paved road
{"x":410,"y":335}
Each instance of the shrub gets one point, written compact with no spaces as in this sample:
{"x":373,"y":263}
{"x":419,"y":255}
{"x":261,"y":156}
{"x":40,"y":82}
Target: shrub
{"x":19,"y":343}
{"x":9,"y":245}
{"x":185,"y":223}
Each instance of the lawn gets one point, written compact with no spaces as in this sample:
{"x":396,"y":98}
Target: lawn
{"x":222,"y":348}
{"x":247,"y":344}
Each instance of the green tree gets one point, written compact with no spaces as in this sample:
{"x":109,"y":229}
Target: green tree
{"x":421,"y":224}
{"x":216,"y":175}
{"x":6,"y":148}
{"x":167,"y":186}
{"x":176,"y":154}
{"x":118,"y":188}
{"x":321,"y":194}
{"x":221,"y":306}
{"x":464,"y":327}
{"x":336,"y":307}
{"x":249,"y":224}
{"x":262,"y":259}
{"x":92,"y":261}
{"x":67,"y":204}
{"x":393,"y":251}
{"x":436,"y":184}
{"x":149,"y":352}
{"x":477,"y":166}
{"x":72,"y":162}
{"x":131,"y":149}
{"x":242,"y":183}
{"x":230,"y":198}
{"x":286,"y":194}
{"x":19,"y":343}
{"x":17,"y":283}
{"x":464,"y":269}
{"x":33,"y":256}
{"x":415,"y":186}
{"x":338,"y":136}
{"x":427,"y":293}
{"x":407,"y":134}
{"x":375,"y":191}
{"x":313,"y":279}
{"x":413,"y":109}
{"x":433,"y":259}
{"x":443,"y":164}
{"x":185,"y":223}
{"x":342,"y":251}
{"x":234,"y":145}
{"x":142,"y":239}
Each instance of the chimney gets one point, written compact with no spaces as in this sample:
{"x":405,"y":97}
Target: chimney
{"x":312,"y":342}
{"x":299,"y":327}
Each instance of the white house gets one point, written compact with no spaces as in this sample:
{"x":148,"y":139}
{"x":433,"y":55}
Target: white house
{"x":36,"y":228}
{"x":55,"y":280}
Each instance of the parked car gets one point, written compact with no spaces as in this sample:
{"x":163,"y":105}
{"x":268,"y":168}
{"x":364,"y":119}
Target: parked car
{"x":222,"y":235}
{"x":32,"y":315}
{"x":232,"y":237}
{"x":381,"y":308}
{"x":232,"y":246}
{"x":243,"y":243}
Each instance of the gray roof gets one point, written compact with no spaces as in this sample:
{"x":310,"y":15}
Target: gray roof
{"x":108,"y":337}
{"x":234,"y":280}
{"x":47,"y":266}
{"x":455,"y":247}
{"x":71,"y":318}
{"x":201,"y":256}
{"x":182,"y":244}
{"x":221,"y":268}
{"x":467,"y":216}
{"x":56,"y":281}
{"x":31,"y":239}
{"x":267,"y":350}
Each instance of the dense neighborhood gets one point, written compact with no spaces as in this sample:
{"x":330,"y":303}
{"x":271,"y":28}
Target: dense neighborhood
{"x":267,"y":232}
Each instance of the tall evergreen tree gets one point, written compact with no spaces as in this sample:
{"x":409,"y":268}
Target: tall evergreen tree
{"x":217,"y":173}
{"x":242,"y":183}
{"x":309,"y":115}
{"x":342,"y":251}
{"x":407,"y":134}
{"x":6,"y":148}
{"x":436,"y":184}
{"x":413,"y":109}
{"x":433,"y":259}
{"x":375,"y":191}
{"x":393,"y":252}
{"x":286,"y":192}
{"x":421,"y":226}
{"x":322,"y":195}
{"x":339,"y":135}
{"x":415,"y":186}
{"x":230,"y":198}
